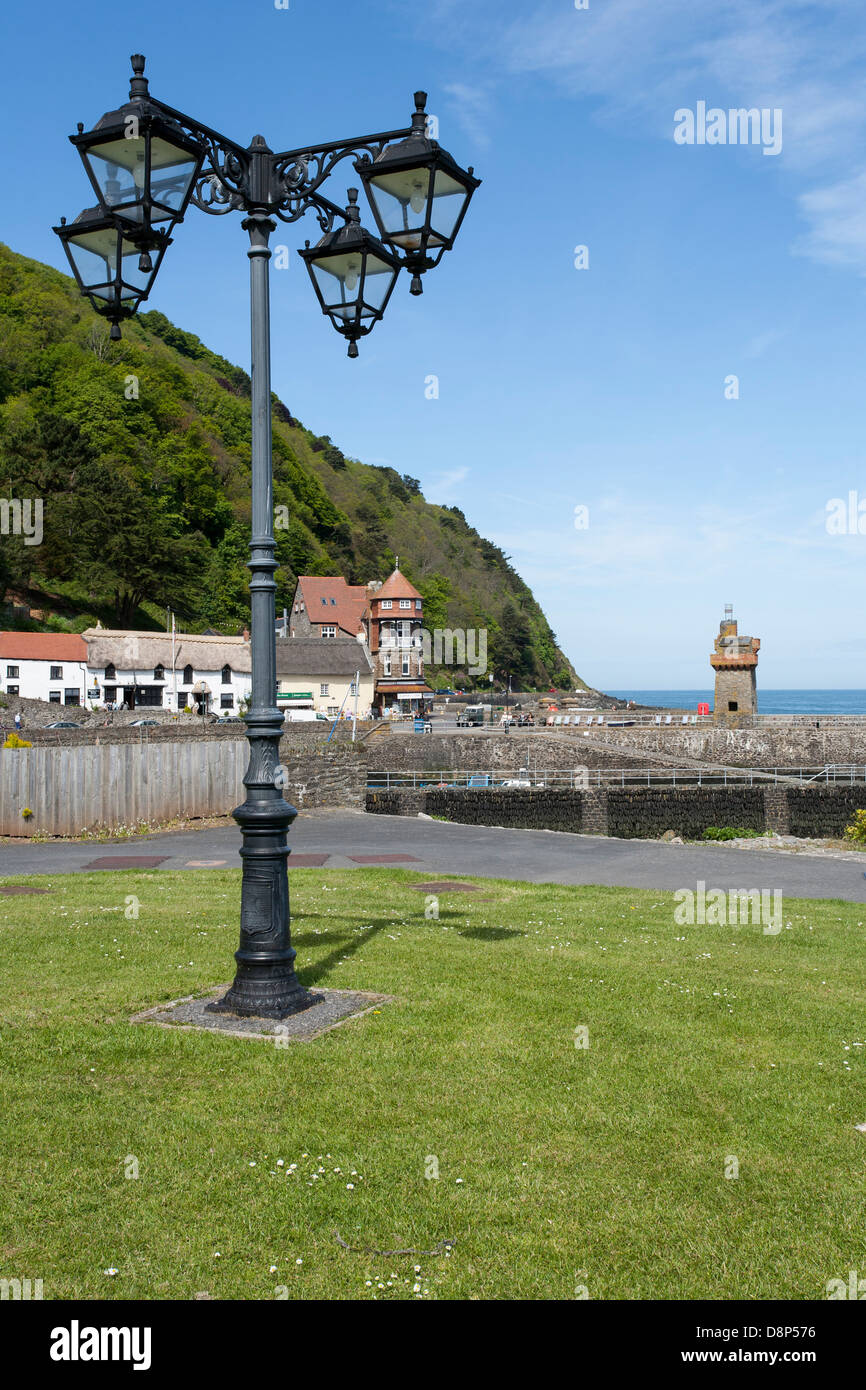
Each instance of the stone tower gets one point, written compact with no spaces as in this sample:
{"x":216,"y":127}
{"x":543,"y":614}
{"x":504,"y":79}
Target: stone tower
{"x":735,"y":662}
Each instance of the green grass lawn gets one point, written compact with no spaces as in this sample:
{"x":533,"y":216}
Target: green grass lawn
{"x":559,"y":1166}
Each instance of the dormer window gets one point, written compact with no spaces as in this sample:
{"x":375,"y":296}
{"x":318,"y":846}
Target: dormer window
{"x":159,"y":673}
{"x":187,"y":675}
{"x":227,"y":675}
{"x":110,"y":672}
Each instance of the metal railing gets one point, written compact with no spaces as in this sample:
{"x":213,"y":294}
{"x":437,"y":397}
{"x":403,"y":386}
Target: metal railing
{"x":423,"y":779}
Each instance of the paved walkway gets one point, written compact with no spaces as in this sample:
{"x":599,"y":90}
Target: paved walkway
{"x":350,"y":839}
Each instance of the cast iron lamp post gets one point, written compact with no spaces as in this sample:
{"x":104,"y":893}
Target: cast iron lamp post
{"x":147,"y":162}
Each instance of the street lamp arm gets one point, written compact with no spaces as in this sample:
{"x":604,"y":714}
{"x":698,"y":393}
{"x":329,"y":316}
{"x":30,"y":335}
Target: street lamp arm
{"x":298,"y":174}
{"x":291,"y":209}
{"x":197,"y":129}
{"x":369,"y":144}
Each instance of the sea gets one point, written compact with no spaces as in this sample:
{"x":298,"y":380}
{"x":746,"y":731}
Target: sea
{"x":769,"y":701}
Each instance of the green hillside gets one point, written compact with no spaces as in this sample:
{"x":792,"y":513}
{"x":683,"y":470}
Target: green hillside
{"x":140,"y":450}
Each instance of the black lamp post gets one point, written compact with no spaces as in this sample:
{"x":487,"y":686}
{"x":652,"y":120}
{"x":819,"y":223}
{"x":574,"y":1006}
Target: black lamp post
{"x":147,"y":162}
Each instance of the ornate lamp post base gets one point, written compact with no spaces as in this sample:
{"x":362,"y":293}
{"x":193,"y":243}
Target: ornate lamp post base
{"x":265,"y":991}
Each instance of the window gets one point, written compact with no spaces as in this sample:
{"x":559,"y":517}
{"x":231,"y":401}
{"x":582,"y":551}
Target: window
{"x":418,"y":605}
{"x":405,"y":603}
{"x":333,"y":603}
{"x":12,"y":690}
{"x":387,"y":635}
{"x":386,"y":603}
{"x":732,"y":705}
{"x":149,"y":695}
{"x":324,"y":603}
{"x":54,"y":697}
{"x":226,"y":701}
{"x":72,"y":697}
{"x":353,"y":689}
{"x":109,"y":694}
{"x":406,"y":670}
{"x":159,"y":672}
{"x":227,"y":675}
{"x":187,"y":675}
{"x":324,"y":690}
{"x":110,"y":672}
{"x":56,"y":673}
{"x":386,"y":664}
{"x":12,"y":673}
{"x":328,"y":631}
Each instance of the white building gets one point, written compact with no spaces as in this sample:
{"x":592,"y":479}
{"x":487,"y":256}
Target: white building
{"x":317,"y":675}
{"x":158,"y":670}
{"x":50,"y":666}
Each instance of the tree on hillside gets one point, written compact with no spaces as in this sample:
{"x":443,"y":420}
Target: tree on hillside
{"x":122,"y":539}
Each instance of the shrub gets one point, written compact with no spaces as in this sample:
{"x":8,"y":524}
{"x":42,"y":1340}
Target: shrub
{"x":856,"y":831}
{"x":730,"y":832}
{"x":13,"y":741}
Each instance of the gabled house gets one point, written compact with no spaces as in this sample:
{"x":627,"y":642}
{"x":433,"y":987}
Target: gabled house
{"x":49,"y":666}
{"x":321,"y":676}
{"x":326,"y":606}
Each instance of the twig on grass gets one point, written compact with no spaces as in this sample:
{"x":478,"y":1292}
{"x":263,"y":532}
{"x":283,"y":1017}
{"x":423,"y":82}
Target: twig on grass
{"x":368,"y":1249}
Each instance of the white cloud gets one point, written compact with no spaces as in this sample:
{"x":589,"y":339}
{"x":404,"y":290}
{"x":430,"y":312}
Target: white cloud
{"x":473,"y":111}
{"x":444,"y":489}
{"x":644,"y":59}
{"x":837,"y":215}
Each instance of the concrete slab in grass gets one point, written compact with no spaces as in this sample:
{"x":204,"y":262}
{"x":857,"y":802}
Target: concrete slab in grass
{"x":330,"y":1008}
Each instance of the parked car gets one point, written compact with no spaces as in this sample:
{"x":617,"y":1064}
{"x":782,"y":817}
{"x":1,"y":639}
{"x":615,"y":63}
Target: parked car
{"x":471,"y":717}
{"x":305,"y":716}
{"x":63,"y":724}
{"x":516,"y":782}
{"x":144,"y":724}
{"x":229,"y":719}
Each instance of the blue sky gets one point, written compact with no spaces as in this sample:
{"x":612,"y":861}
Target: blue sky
{"x":558,"y":387}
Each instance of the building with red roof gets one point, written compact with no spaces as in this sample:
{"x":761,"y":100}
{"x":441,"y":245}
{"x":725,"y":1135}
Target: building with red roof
{"x":326,"y":606}
{"x":49,"y":666}
{"x":389,"y":615}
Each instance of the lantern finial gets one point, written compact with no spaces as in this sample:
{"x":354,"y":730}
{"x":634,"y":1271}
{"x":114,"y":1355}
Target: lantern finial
{"x":138,"y":83}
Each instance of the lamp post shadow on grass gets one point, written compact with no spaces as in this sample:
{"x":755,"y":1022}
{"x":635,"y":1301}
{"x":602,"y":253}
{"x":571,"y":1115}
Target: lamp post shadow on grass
{"x":312,"y":974}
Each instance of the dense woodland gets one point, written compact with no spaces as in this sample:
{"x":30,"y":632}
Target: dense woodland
{"x":140,"y":450}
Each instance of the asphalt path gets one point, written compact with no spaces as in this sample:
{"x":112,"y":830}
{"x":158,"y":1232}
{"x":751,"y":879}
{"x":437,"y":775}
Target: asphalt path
{"x":346,"y":839}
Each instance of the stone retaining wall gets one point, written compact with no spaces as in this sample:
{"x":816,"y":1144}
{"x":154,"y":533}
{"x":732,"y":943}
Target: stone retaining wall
{"x":802,"y":746}
{"x":639,"y":813}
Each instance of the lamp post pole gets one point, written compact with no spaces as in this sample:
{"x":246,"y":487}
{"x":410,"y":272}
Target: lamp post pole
{"x":147,"y":162}
{"x":265,"y":983}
